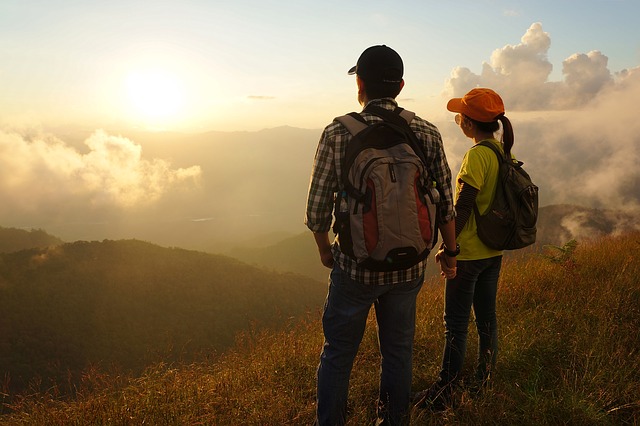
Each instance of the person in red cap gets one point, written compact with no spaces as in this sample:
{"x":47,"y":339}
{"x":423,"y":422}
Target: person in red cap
{"x":353,"y":289}
{"x":480,"y":113}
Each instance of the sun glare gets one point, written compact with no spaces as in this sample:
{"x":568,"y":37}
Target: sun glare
{"x":155,"y":94}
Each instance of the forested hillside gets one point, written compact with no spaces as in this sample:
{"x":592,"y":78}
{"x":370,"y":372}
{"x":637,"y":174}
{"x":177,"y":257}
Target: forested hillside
{"x":123,"y":304}
{"x":569,"y":320}
{"x":12,"y":239}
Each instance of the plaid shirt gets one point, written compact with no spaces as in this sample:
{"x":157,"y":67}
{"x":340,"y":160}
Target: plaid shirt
{"x":326,"y":182}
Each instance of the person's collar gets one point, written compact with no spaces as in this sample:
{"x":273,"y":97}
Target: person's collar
{"x":490,"y":140}
{"x":387,"y":103}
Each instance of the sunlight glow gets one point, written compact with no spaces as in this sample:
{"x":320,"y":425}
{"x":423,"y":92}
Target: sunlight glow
{"x":155,"y":94}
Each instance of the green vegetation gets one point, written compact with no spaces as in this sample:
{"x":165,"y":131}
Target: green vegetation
{"x":12,"y":239}
{"x":562,"y":255}
{"x":569,"y":355}
{"x":123,"y":305}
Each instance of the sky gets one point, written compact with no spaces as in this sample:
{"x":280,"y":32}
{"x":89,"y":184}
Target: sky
{"x":199,"y":65}
{"x":77,"y":78}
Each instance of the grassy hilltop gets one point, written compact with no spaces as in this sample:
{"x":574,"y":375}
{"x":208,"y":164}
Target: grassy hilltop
{"x":124,"y":305}
{"x":569,"y":354}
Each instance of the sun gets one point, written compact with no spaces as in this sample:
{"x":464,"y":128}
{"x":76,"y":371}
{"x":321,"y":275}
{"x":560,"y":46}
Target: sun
{"x":155,"y":94}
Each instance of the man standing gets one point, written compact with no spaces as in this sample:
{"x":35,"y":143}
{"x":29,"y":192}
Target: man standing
{"x":353,"y":289}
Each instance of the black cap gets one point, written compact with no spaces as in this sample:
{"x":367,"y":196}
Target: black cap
{"x":379,"y":64}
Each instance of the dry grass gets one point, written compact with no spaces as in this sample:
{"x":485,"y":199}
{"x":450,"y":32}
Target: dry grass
{"x":569,"y":354}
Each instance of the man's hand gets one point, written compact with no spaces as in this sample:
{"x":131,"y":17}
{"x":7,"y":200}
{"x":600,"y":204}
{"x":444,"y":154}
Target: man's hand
{"x":448,"y":268}
{"x":324,"y":248}
{"x":326,"y":257}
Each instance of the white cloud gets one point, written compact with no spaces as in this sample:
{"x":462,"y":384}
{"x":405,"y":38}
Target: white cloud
{"x":520,"y":73}
{"x":41,"y":175}
{"x":587,"y":156}
{"x":579,"y":137}
{"x":526,"y":61}
{"x":586,"y":75}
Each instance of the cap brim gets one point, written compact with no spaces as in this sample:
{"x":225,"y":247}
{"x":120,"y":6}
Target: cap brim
{"x":455,"y":105}
{"x":352,"y":70}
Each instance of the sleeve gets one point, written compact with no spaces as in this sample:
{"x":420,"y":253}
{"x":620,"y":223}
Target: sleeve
{"x":322,"y":186}
{"x":442,"y":174}
{"x":474,"y":168}
{"x":464,"y":205}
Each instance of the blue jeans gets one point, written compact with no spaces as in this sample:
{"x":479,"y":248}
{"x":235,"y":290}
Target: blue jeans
{"x":345,"y":316}
{"x":476,"y":284}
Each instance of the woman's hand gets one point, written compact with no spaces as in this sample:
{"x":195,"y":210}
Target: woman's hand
{"x":448,"y":265}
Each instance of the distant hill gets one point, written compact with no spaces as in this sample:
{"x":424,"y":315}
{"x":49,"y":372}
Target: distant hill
{"x":560,"y":223}
{"x":296,"y":254}
{"x":12,"y":239}
{"x":127,"y":303}
{"x":557,"y":224}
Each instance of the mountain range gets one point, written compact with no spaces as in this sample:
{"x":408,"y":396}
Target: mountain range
{"x":557,"y":224}
{"x":125,"y":303}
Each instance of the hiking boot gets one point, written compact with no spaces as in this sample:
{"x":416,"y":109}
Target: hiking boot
{"x":436,"y":398}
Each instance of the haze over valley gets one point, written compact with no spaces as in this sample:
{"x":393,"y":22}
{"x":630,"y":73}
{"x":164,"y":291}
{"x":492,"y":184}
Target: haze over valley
{"x":214,"y":190}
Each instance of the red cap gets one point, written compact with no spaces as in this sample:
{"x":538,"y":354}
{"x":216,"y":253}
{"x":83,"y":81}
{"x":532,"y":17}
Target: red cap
{"x":479,"y":104}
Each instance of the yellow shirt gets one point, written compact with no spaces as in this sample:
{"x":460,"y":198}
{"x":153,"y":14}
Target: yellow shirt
{"x":479,"y":169}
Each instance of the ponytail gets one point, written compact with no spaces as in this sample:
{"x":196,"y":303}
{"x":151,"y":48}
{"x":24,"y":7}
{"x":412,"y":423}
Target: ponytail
{"x":507,"y":135}
{"x":494,"y":126}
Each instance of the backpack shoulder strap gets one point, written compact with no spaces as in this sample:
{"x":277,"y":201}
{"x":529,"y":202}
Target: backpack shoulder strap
{"x":407,"y":115}
{"x":493,"y":148}
{"x":353,"y":122}
{"x":501,"y":159}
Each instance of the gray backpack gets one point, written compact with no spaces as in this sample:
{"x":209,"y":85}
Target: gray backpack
{"x":385,"y":214}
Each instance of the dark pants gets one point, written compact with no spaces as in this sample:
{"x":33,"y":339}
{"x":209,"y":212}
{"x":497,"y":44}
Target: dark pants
{"x":476,"y":284}
{"x":344,"y":320}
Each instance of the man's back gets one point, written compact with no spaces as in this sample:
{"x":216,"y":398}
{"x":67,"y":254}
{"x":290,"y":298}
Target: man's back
{"x":328,"y":177}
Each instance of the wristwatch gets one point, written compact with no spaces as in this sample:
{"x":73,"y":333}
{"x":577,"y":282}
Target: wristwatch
{"x":451,"y":253}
